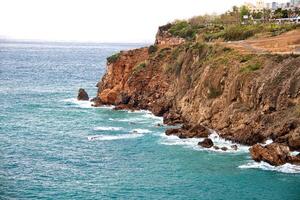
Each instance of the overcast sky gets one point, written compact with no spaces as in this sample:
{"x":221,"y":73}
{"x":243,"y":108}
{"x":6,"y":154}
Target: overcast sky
{"x":98,"y":20}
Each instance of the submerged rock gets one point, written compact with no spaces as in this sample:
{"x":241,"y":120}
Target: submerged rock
{"x":206,"y":143}
{"x":82,"y":95}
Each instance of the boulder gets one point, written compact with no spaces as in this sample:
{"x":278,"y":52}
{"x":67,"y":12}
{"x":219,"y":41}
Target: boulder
{"x":173,"y":131}
{"x":206,"y":143}
{"x":216,"y":147}
{"x":274,"y":154}
{"x":234,"y":147}
{"x":172,"y":118}
{"x":294,"y":140}
{"x":224,"y":148}
{"x":198,"y":131}
{"x":82,"y":95}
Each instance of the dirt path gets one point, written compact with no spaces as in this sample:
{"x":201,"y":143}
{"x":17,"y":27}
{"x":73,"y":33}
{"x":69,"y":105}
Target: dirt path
{"x":286,"y":43}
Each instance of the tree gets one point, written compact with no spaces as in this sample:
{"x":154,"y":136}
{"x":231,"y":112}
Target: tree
{"x":244,"y":11}
{"x":267,"y":14}
{"x":257,"y":15}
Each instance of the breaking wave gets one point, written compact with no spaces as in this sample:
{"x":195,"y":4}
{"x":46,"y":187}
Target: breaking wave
{"x":114,"y":137}
{"x":193,"y":143}
{"x":109,"y":128}
{"x":85,"y":104}
{"x":140,"y":130}
{"x":286,"y":168}
{"x":81,"y":104}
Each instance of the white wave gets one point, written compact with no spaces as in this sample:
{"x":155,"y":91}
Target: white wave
{"x":193,"y":143}
{"x":268,"y":141}
{"x":109,"y":128}
{"x":114,"y":137}
{"x":109,"y":107}
{"x":140,"y":130}
{"x":174,"y":140}
{"x":87,"y":104}
{"x":130,"y":119}
{"x":153,"y":117}
{"x":295,"y":153}
{"x":81,"y":104}
{"x":286,"y":168}
{"x":221,"y":142}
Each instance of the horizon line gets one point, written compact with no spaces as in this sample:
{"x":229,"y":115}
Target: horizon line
{"x":7,"y":39}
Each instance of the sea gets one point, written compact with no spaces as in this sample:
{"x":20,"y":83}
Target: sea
{"x":55,"y":147}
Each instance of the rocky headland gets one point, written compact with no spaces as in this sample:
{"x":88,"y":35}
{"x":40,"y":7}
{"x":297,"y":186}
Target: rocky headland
{"x":246,"y":97}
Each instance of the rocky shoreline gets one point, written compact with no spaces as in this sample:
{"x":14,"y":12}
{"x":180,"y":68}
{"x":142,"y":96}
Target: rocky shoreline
{"x":246,"y":98}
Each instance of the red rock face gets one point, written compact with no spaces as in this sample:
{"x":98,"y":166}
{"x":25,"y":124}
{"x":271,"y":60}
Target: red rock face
{"x":196,"y":84}
{"x":274,"y":154}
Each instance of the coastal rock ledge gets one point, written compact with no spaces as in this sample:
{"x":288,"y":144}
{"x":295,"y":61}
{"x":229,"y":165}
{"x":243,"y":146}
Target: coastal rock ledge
{"x":274,"y":154}
{"x":246,"y":98}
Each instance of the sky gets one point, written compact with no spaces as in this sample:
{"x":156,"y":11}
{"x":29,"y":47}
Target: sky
{"x":98,"y":20}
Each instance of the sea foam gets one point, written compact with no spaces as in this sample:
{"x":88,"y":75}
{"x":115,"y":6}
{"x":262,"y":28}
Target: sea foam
{"x":81,"y":104}
{"x":85,"y":104}
{"x":286,"y":168}
{"x":140,"y":130}
{"x":109,"y":128}
{"x":193,"y":143}
{"x":113,"y":137}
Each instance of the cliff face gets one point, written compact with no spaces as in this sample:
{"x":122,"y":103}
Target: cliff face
{"x":246,"y":98}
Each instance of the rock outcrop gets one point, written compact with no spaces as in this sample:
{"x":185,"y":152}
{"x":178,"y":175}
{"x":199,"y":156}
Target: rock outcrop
{"x":274,"y":154}
{"x":164,"y":38}
{"x":82,"y":95}
{"x":206,"y":143}
{"x":246,"y":98}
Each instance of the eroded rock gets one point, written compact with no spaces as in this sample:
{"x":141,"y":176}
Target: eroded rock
{"x":206,"y":143}
{"x":274,"y":154}
{"x":82,"y":95}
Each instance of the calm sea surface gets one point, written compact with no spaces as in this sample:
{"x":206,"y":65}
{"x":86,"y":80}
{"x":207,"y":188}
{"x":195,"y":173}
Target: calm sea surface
{"x":54,"y":147}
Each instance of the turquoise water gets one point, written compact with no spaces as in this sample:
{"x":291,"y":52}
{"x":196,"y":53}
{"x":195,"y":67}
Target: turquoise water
{"x":53,"y":147}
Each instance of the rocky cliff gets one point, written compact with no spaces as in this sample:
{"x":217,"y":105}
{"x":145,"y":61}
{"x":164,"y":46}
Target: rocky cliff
{"x":246,"y":98}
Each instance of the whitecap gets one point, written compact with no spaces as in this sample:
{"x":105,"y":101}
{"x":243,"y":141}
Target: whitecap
{"x":286,"y":168}
{"x":268,"y":141}
{"x":295,"y":153}
{"x":81,"y":104}
{"x":113,"y":137}
{"x":221,"y":142}
{"x":108,"y":128}
{"x":140,"y":130}
{"x":193,"y":143}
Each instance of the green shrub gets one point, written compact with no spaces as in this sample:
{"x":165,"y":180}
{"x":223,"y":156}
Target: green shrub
{"x":113,"y":58}
{"x":246,"y":58}
{"x":251,"y":68}
{"x":139,"y":67}
{"x":183,"y":29}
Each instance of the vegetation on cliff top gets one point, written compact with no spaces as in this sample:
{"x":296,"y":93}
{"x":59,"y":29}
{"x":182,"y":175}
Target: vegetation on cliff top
{"x":113,"y":58}
{"x":229,"y":26}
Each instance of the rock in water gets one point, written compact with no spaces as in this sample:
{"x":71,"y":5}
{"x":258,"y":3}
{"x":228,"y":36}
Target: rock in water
{"x":234,"y":147}
{"x":82,"y":95}
{"x":206,"y":143}
{"x":224,"y":148}
{"x":274,"y":154}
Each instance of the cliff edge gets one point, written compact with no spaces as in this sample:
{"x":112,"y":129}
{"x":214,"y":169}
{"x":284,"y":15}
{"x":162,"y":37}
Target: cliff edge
{"x":247,"y":98}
